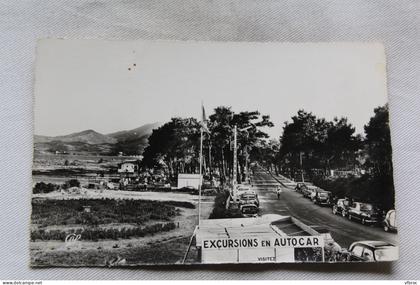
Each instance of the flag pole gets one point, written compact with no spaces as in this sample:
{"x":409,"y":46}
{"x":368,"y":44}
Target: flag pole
{"x":201,"y":176}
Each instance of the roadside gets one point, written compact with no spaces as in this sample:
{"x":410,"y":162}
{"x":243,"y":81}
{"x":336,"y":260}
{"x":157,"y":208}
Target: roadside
{"x":291,"y":203}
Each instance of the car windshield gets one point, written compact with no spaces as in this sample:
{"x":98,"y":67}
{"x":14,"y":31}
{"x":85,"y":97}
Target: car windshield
{"x":386,"y":253}
{"x":249,"y":210}
{"x":366,"y":207}
{"x":323,"y":194}
{"x":248,"y":197}
{"x":243,"y":189}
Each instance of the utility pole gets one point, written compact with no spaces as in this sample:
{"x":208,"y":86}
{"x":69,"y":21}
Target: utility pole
{"x":235,"y":156}
{"x":301,"y":166}
{"x":201,"y":176}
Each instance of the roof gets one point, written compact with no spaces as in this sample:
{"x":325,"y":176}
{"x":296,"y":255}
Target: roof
{"x":240,"y":227}
{"x":188,"y":176}
{"x":128,"y":162}
{"x":374,"y":243}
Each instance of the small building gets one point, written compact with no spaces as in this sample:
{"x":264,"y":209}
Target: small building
{"x":188,"y":180}
{"x":129,"y":168}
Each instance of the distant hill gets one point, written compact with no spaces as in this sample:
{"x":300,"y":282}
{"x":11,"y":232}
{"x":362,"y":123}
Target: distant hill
{"x":88,"y":136}
{"x":130,"y":142}
{"x":134,"y":141}
{"x":145,"y":130}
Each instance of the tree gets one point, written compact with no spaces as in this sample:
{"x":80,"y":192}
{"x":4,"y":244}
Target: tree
{"x":266,"y":152}
{"x":342,"y":144}
{"x":314,"y":143}
{"x":174,"y":146}
{"x":303,"y":137}
{"x":221,"y":126}
{"x":379,"y":152}
{"x":378,"y":141}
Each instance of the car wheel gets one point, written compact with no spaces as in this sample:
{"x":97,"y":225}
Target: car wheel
{"x":363,"y":221}
{"x":386,"y":228}
{"x":350,"y":217}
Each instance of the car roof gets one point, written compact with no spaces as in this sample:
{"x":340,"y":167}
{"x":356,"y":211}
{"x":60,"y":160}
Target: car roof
{"x":373,"y":243}
{"x":252,"y":193}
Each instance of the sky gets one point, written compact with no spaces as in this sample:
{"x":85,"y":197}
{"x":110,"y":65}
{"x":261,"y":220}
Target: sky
{"x":110,"y":86}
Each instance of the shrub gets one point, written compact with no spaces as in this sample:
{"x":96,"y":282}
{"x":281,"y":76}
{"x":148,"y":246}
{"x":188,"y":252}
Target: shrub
{"x":42,"y":187}
{"x":100,"y":233}
{"x":219,"y":208}
{"x":103,"y":211}
{"x":72,"y":183}
{"x":378,"y":190}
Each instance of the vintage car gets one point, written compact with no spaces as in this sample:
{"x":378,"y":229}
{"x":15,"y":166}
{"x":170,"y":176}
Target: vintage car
{"x":390,"y":222}
{"x":249,"y":210}
{"x":308,"y":191}
{"x":249,"y":198}
{"x":371,"y":251}
{"x":299,"y":187}
{"x":321,"y":197}
{"x":241,"y":189}
{"x":341,"y":207}
{"x":363,"y":212}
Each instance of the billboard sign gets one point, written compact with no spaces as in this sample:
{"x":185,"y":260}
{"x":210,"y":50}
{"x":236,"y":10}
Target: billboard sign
{"x":262,"y":250}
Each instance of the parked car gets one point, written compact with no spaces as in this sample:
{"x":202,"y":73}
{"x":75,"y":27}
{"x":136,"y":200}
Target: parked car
{"x":308,"y":190}
{"x":341,"y":207}
{"x":364,"y":212}
{"x":299,"y":187}
{"x":372,"y":251}
{"x":241,"y":189}
{"x":390,"y":222}
{"x":249,"y":198}
{"x":321,"y":197}
{"x":249,"y":210}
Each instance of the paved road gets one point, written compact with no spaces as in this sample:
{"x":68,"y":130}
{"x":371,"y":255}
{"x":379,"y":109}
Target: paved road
{"x":291,"y":203}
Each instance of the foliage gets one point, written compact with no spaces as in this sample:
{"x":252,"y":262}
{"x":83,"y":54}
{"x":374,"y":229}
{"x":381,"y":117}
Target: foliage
{"x":101,"y":233}
{"x":174,"y":146}
{"x":378,"y":141}
{"x":249,"y":135}
{"x":42,"y":187}
{"x":309,"y":142}
{"x":219,"y":208}
{"x":378,"y":190}
{"x":317,"y":146}
{"x":103,"y":211}
{"x":71,"y":183}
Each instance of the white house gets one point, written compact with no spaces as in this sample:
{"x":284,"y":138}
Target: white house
{"x":128,"y":167}
{"x":188,"y":180}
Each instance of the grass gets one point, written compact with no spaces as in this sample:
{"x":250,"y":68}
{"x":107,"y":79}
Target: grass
{"x":98,"y":233}
{"x":102,"y":211}
{"x":164,"y":252}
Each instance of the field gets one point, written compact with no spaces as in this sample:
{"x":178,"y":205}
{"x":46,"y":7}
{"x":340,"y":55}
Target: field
{"x":115,"y":232}
{"x":52,"y":168}
{"x":113,"y":227}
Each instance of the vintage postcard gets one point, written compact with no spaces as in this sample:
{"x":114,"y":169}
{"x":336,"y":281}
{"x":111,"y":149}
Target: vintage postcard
{"x":171,"y":152}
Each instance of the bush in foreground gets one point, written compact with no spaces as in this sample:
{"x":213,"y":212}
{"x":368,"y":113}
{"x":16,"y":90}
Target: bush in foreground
{"x":95,"y":234}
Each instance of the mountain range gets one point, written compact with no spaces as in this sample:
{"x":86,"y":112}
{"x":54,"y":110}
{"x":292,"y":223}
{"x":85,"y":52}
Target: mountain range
{"x":130,"y":142}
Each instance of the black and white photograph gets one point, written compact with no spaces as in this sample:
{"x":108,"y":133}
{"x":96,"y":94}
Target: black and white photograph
{"x":193,"y":152}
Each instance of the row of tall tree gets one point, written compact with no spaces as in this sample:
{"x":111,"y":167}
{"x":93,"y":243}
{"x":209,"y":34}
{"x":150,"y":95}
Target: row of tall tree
{"x":309,"y":145}
{"x":316,"y":145}
{"x":175,"y":145}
